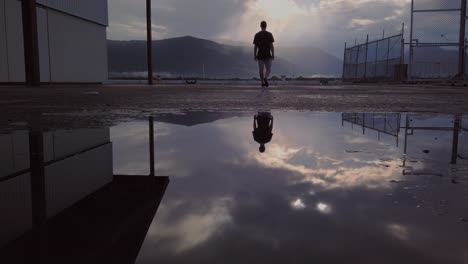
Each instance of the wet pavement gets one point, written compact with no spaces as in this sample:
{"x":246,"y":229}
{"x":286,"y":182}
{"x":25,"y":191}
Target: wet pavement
{"x":110,"y":104}
{"x":329,"y":187}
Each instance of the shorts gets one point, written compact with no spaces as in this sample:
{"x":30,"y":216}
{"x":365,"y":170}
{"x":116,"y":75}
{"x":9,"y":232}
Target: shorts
{"x":264,"y":63}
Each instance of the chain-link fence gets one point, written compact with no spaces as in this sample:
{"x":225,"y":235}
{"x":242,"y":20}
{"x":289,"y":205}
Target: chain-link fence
{"x":386,"y":123}
{"x":381,"y":59}
{"x":437,"y":39}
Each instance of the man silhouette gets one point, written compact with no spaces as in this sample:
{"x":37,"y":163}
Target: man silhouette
{"x":263,"y":129}
{"x":264,"y":52}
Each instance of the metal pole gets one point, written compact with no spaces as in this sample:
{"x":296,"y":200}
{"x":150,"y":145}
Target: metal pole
{"x":344,"y":62}
{"x":357,"y":63}
{"x":402,"y":54}
{"x":388,"y":56}
{"x":410,"y":66}
{"x":363,"y":123}
{"x":38,"y":194}
{"x":456,"y":133}
{"x":461,"y":52}
{"x":151,"y":145}
{"x":31,"y":43}
{"x":365,"y":62}
{"x":149,"y":42}
{"x":203,"y":71}
{"x":406,"y":134}
{"x":376,"y":58}
{"x":401,"y":72}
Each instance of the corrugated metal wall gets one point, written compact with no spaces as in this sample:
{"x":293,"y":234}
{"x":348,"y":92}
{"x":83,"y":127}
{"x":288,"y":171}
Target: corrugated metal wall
{"x":71,"y":180}
{"x":94,"y":10}
{"x":67,"y":181}
{"x":71,"y":49}
{"x":15,"y":208}
{"x":11,"y":42}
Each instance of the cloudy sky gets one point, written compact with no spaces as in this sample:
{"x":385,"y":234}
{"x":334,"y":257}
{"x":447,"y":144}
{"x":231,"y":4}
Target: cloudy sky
{"x":322,"y":23}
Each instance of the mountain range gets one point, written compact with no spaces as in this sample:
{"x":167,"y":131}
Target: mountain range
{"x":190,"y":56}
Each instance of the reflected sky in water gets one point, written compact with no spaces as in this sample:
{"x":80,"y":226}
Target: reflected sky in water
{"x":325,"y":190}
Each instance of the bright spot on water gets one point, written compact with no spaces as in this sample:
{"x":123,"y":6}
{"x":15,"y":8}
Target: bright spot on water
{"x":298,"y":204}
{"x":323,"y":208}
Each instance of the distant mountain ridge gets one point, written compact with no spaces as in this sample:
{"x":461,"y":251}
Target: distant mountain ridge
{"x":189,"y":56}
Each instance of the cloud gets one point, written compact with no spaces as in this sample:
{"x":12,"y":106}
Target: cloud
{"x":322,"y":23}
{"x":298,"y":204}
{"x":355,"y":22}
{"x":202,"y":18}
{"x":195,"y":228}
{"x":328,"y":172}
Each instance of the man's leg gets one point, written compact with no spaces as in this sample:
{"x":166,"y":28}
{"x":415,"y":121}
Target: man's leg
{"x":261,"y":67}
{"x":268,"y":68}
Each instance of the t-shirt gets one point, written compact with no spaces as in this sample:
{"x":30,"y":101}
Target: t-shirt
{"x":263,"y":134}
{"x":263,"y":40}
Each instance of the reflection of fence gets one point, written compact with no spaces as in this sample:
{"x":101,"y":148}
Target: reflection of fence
{"x":437,"y":39}
{"x":386,"y":123}
{"x":374,"y":60}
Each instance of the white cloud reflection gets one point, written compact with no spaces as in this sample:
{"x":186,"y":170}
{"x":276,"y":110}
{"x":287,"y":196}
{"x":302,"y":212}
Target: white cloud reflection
{"x":194,"y":228}
{"x":399,"y":231}
{"x":298,"y":204}
{"x":327,"y":171}
{"x":324,"y":208}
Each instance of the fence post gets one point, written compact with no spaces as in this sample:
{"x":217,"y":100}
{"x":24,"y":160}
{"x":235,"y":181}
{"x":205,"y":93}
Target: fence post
{"x":402,"y":55}
{"x":461,"y":51}
{"x":357,"y":63}
{"x":365,"y":61}
{"x":344,"y":62}
{"x":401,"y":74}
{"x":456,"y":135}
{"x":410,"y":66}
{"x":376,"y":59}
{"x":388,"y":57}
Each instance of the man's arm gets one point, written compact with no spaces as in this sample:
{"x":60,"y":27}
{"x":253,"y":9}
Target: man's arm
{"x":271,"y":126}
{"x":255,"y":122}
{"x":272,"y":47}
{"x":255,"y":52}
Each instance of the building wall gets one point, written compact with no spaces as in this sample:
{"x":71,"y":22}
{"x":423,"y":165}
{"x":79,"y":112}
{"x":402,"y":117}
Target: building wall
{"x":71,"y":180}
{"x":3,"y":43}
{"x":43,"y":42}
{"x":67,"y":181}
{"x":78,"y":49}
{"x":15,"y":194}
{"x":14,"y":41}
{"x":15,"y":208}
{"x":93,"y":10}
{"x":71,"y":49}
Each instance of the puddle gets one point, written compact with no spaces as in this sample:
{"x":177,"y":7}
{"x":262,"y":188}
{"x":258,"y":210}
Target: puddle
{"x":327,"y":187}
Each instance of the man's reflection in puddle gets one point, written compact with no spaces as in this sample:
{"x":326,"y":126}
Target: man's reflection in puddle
{"x":263,"y":129}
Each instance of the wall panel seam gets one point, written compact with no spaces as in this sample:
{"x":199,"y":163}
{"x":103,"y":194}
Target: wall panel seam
{"x":48,"y":44}
{"x":6,"y":41}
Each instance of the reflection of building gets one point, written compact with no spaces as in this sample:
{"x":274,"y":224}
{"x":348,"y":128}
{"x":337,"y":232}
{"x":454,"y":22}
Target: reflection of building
{"x":71,"y":39}
{"x":76,"y":164}
{"x":193,"y":118}
{"x":60,"y":201}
